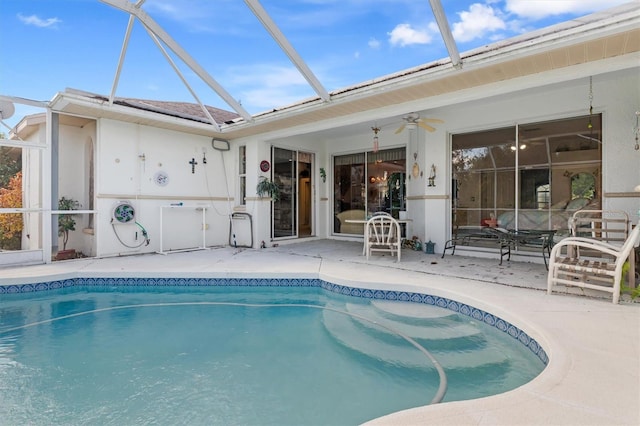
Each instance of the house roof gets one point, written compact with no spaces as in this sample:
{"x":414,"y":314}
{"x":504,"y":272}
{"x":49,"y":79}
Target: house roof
{"x":591,"y":45}
{"x":186,"y":110}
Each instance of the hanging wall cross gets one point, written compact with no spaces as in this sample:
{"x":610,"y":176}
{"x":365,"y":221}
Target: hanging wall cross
{"x":193,"y":163}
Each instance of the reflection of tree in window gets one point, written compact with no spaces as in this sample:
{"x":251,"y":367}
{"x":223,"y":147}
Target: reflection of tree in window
{"x":11,"y":225}
{"x":583,"y":185}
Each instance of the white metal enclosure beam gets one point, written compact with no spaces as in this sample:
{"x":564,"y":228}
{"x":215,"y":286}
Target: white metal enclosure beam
{"x":445,"y":31}
{"x":184,"y":80}
{"x":123,"y":53}
{"x":148,"y":22}
{"x":284,"y":44}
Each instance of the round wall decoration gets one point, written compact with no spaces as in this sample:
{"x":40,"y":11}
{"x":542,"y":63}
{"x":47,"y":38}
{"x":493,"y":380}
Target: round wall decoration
{"x":161,"y":178}
{"x":265,"y":166}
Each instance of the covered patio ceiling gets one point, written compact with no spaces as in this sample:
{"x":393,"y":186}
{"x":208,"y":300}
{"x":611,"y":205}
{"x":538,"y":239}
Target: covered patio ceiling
{"x":588,"y":45}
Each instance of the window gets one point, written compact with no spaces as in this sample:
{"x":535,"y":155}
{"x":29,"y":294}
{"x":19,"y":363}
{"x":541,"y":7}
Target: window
{"x":542,"y":195}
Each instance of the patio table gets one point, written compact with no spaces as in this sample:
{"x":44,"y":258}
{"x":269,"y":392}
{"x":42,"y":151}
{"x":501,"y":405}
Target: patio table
{"x":541,"y":238}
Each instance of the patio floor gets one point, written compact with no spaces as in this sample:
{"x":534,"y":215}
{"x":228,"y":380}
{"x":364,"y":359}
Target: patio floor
{"x":593,"y":375}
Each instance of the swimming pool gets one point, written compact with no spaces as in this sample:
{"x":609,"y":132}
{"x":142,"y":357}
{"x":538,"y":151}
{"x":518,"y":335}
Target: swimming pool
{"x":124,"y":350}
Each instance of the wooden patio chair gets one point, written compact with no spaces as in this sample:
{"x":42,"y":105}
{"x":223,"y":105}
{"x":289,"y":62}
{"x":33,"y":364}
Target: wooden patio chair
{"x":570,"y":266}
{"x":382,"y":234}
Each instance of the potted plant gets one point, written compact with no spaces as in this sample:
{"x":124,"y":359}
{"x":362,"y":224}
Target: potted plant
{"x":66,"y":223}
{"x":267,"y":187}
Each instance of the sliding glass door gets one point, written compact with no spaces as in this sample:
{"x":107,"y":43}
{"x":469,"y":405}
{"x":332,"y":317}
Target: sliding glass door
{"x":532,"y":176}
{"x":293,"y":212}
{"x":365,"y":183}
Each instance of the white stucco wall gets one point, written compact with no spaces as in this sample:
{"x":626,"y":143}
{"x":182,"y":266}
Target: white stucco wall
{"x":130,"y":156}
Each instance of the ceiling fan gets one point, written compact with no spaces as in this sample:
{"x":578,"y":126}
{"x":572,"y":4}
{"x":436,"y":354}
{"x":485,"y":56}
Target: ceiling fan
{"x":412,"y":120}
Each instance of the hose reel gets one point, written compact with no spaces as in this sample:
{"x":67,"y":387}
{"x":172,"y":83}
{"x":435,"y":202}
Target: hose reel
{"x":124,"y":212}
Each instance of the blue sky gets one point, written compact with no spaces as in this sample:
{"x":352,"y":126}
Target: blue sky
{"x":49,"y":45}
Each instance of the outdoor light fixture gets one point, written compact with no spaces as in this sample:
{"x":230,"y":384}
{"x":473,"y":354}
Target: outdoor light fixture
{"x":220,"y":145}
{"x":522,"y":146}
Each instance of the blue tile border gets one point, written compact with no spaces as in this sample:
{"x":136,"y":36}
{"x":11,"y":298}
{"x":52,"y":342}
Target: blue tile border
{"x":392,"y":295}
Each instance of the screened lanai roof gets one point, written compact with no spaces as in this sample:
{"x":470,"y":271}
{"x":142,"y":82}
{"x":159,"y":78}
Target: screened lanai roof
{"x":165,"y":41}
{"x":202,"y":67}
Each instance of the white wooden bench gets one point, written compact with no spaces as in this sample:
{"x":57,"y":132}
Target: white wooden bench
{"x":591,"y":263}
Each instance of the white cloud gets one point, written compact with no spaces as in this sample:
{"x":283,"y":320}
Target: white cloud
{"x":477,"y":22}
{"x":185,"y":10}
{"x":433,"y":27}
{"x":264,"y":87}
{"x":374,"y":43}
{"x":537,"y":9}
{"x":404,"y":35}
{"x":201,"y":16}
{"x":39,"y":22}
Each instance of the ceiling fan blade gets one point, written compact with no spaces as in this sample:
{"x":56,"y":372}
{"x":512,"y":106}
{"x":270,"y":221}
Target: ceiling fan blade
{"x":432,"y":120}
{"x":401,"y":128}
{"x":426,"y":126}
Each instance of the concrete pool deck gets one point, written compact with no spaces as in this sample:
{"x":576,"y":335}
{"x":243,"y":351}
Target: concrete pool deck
{"x":593,"y":375}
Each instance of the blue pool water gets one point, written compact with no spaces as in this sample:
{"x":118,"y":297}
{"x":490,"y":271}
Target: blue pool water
{"x":239,"y":355}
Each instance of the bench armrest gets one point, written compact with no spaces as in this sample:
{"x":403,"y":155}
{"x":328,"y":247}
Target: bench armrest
{"x":591,"y":241}
{"x":588,"y":244}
